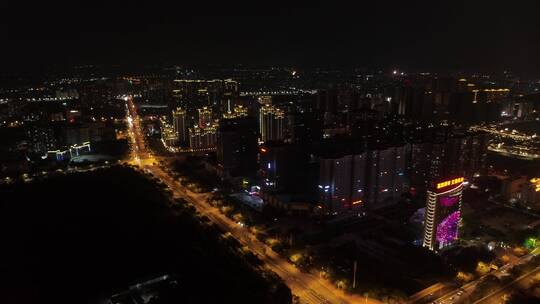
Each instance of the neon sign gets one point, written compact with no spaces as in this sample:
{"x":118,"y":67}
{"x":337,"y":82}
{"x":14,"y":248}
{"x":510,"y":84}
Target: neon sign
{"x":451,"y":182}
{"x":356,"y":202}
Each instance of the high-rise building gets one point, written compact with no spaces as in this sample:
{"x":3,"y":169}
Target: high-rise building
{"x":168,"y":135}
{"x":271,"y":123}
{"x":370,"y":179}
{"x":237,"y":112}
{"x":237,"y":146}
{"x":284,"y":167}
{"x":200,"y":138}
{"x":460,"y":155}
{"x":335,"y":182}
{"x":386,"y":175}
{"x":180,"y":126}
{"x":205,"y":117}
{"x":443,"y":213}
{"x":41,"y":139}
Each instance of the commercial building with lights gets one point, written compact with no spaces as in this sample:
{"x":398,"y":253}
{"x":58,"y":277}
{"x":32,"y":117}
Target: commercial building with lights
{"x":271,"y":123}
{"x":200,"y":138}
{"x":443,"y":214}
{"x":205,"y":117}
{"x":168,"y":135}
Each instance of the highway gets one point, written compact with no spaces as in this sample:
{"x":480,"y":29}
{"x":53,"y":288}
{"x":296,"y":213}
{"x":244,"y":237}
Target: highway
{"x":522,"y":282}
{"x":431,"y":292}
{"x":460,"y":295}
{"x":308,"y":287}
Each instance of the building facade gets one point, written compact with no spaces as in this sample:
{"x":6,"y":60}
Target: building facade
{"x":271,"y":123}
{"x":237,"y":146}
{"x":180,"y":125}
{"x":200,"y":138}
{"x":443,"y":214}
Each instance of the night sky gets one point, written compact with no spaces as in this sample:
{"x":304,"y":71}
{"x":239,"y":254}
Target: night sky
{"x":487,"y":35}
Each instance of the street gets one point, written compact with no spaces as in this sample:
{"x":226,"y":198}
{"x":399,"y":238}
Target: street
{"x":309,"y":288}
{"x":459,"y":295}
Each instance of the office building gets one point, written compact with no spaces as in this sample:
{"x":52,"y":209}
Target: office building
{"x":443,"y":213}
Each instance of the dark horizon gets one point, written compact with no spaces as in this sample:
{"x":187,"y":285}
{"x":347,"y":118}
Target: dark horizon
{"x":414,"y":35}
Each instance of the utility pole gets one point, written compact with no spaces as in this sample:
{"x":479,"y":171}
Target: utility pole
{"x":354,"y":276}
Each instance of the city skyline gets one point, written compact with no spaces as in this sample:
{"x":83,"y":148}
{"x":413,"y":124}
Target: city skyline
{"x":322,"y":152}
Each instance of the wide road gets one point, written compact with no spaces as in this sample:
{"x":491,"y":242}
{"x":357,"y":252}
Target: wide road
{"x":309,"y":288}
{"x":523,"y":282}
{"x":428,"y":294}
{"x":460,"y":295}
{"x":139,"y":154}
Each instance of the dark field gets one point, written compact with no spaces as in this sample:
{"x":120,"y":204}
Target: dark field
{"x":80,"y":238}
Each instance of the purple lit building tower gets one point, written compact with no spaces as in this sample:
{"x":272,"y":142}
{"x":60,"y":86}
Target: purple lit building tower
{"x":443,"y":214}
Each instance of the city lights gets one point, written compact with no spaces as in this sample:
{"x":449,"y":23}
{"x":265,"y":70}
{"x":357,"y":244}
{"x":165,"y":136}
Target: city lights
{"x":314,"y":171}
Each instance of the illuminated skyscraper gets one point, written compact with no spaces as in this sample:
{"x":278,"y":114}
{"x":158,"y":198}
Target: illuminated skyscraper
{"x":239,"y":111}
{"x":443,"y":214}
{"x":168,"y":135}
{"x":203,"y":138}
{"x":271,"y":123}
{"x":205,"y":117}
{"x":179,"y":124}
